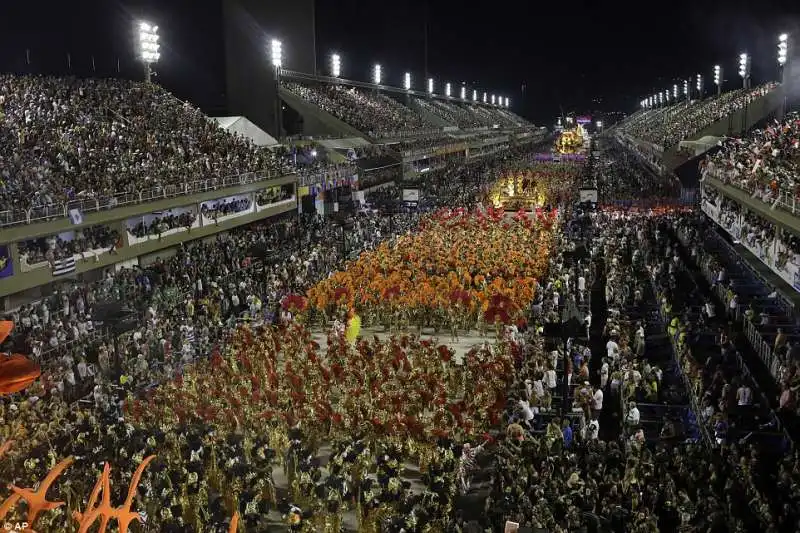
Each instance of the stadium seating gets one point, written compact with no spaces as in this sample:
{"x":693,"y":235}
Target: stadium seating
{"x":370,"y":112}
{"x":668,"y":125}
{"x":65,"y":139}
{"x":764,"y":163}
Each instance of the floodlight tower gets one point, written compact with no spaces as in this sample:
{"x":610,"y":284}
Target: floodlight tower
{"x":484,"y":98}
{"x":508,"y":102}
{"x":276,"y":53}
{"x":407,"y":81}
{"x":149,"y":48}
{"x":718,"y":78}
{"x":686,"y":90}
{"x":700,"y":86}
{"x":447,"y":89}
{"x":430,"y":85}
{"x":744,"y":69}
{"x":493,"y":100}
{"x":463,"y":92}
{"x":784,"y":43}
{"x":675,"y":92}
{"x":336,"y":65}
{"x":377,"y":75}
{"x":474,"y":95}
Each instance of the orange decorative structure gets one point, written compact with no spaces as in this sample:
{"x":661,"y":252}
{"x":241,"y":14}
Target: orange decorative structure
{"x":234,"y":523}
{"x":37,"y":499}
{"x":104,"y":510}
{"x":17,"y":372}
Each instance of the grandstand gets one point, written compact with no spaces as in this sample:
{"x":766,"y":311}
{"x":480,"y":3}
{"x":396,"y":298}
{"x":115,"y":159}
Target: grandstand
{"x":663,"y":135}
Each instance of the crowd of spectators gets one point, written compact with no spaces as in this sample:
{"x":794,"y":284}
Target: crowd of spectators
{"x":376,"y":114}
{"x":225,"y":207}
{"x":55,"y":247}
{"x":668,"y":125}
{"x":163,"y":223}
{"x":66,"y":139}
{"x":764,"y":163}
{"x":274,"y":195}
{"x":451,"y":113}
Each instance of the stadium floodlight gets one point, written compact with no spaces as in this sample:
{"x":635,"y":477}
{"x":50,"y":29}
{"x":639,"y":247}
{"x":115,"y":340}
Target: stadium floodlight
{"x":717,"y":75}
{"x":700,"y":85}
{"x":686,"y":88}
{"x":336,"y":65}
{"x":463,"y":92}
{"x":484,"y":98}
{"x":474,"y":95}
{"x":660,"y":98}
{"x":407,"y":81}
{"x":675,"y":92}
{"x":744,"y":69}
{"x":783,"y":48}
{"x":493,"y":100}
{"x":149,"y":47}
{"x":376,"y":75}
{"x":430,"y":85}
{"x":508,"y":102}
{"x":599,"y":124}
{"x":276,"y":50}
{"x":447,"y":89}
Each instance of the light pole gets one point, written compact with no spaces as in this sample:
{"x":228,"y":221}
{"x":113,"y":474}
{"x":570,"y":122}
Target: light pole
{"x":430,"y":86}
{"x":783,"y":64}
{"x":700,"y":87}
{"x":463,"y":92}
{"x":377,"y":75}
{"x":744,"y":70}
{"x":508,"y":102}
{"x":474,"y":95}
{"x":407,"y":81}
{"x":447,"y":89}
{"x":718,"y":78}
{"x":675,"y":92}
{"x":336,"y":65}
{"x":686,"y":90}
{"x":149,"y":48}
{"x":484,"y":98}
{"x":276,"y":52}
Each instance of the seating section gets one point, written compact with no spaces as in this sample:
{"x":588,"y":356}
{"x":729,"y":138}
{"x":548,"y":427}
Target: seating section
{"x":666,"y":126}
{"x":765,"y":163}
{"x":450,"y":112}
{"x":63,"y":139}
{"x":370,"y":112}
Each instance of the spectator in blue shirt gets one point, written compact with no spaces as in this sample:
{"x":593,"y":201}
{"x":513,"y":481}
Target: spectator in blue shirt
{"x":567,"y":431}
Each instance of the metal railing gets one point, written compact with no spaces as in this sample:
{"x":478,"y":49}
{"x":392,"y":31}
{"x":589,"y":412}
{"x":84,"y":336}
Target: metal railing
{"x":325,"y":175}
{"x":15,"y":217}
{"x":786,"y":200}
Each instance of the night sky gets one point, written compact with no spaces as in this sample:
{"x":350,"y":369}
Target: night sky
{"x":578,"y":56}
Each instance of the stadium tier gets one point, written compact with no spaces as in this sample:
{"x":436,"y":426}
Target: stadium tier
{"x":383,"y":115}
{"x":667,"y":126}
{"x":108,"y":142}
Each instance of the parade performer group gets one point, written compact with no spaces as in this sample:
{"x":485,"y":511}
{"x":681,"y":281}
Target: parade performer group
{"x":199,"y":451}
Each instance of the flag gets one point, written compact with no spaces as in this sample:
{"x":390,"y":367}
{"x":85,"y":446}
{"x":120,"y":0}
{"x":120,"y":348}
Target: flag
{"x":64,"y":266}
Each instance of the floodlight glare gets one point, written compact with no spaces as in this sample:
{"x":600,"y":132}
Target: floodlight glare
{"x":447,"y":90}
{"x":277,"y":53}
{"x":484,"y":98}
{"x":148,"y":43}
{"x":508,"y":102}
{"x":336,"y":65}
{"x":675,"y":91}
{"x":492,"y":99}
{"x":474,"y":95}
{"x":783,"y":48}
{"x":463,"y":92}
{"x":744,"y":65}
{"x":376,"y":76}
{"x":430,"y":85}
{"x":407,"y":81}
{"x":599,"y":124}
{"x":685,"y":87}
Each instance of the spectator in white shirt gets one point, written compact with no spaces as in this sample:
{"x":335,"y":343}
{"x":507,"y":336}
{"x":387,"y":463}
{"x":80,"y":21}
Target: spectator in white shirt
{"x":633,"y":416}
{"x":612,"y":349}
{"x":744,"y":396}
{"x":550,"y":379}
{"x":597,"y":402}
